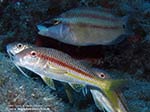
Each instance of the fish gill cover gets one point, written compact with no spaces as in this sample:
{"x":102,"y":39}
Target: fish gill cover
{"x":129,"y":60}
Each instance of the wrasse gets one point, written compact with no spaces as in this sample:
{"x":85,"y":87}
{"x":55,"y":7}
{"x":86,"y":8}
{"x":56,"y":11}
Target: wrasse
{"x":101,"y":101}
{"x":84,"y":27}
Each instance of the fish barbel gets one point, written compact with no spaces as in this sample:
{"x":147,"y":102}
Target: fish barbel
{"x":84,"y":27}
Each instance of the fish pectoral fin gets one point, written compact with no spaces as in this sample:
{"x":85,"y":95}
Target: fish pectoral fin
{"x":77,"y":87}
{"x":49,"y":82}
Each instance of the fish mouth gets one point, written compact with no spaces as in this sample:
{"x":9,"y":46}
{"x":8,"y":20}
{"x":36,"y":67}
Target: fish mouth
{"x":42,"y":28}
{"x":8,"y":49}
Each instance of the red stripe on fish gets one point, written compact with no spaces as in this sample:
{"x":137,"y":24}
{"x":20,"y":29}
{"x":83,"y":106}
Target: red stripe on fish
{"x":94,"y":26}
{"x":63,"y":64}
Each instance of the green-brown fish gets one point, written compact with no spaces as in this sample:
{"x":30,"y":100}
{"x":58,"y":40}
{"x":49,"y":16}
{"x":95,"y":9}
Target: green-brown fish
{"x":84,"y":27}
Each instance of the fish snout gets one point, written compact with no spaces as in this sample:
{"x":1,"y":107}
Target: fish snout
{"x":41,"y":29}
{"x":9,"y":50}
{"x":53,"y":31}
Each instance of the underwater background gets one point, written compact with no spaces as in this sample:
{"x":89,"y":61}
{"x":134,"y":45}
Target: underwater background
{"x":129,"y":59}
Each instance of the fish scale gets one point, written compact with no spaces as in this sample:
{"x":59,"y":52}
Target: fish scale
{"x":63,"y":60}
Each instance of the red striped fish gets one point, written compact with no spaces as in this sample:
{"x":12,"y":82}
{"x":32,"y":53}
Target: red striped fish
{"x":43,"y":68}
{"x":60,"y":66}
{"x":83,"y":27}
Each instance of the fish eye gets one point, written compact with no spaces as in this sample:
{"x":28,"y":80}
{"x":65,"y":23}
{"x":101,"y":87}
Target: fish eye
{"x":19,"y":45}
{"x":55,"y":22}
{"x":51,"y":23}
{"x":33,"y":53}
{"x":102,"y":75}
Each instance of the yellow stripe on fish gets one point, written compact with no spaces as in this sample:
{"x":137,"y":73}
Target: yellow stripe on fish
{"x":52,"y":64}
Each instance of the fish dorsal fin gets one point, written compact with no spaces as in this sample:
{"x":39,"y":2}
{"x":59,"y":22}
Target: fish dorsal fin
{"x":49,"y":82}
{"x":86,"y":63}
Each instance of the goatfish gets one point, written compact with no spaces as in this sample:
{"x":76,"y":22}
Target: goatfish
{"x":84,"y":27}
{"x":59,"y":66}
{"x":100,"y":99}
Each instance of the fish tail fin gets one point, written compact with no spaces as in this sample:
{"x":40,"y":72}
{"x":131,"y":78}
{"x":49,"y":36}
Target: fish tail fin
{"x":108,"y":101}
{"x":116,"y":102}
{"x":109,"y":90}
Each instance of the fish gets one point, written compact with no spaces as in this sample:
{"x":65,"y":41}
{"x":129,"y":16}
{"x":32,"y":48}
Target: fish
{"x":15,"y":48}
{"x":114,"y":104}
{"x":65,"y":68}
{"x":101,"y":101}
{"x":54,"y":64}
{"x":85,"y":27}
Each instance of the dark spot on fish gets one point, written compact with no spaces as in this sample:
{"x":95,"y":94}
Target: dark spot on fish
{"x":33,"y":53}
{"x":102,"y":75}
